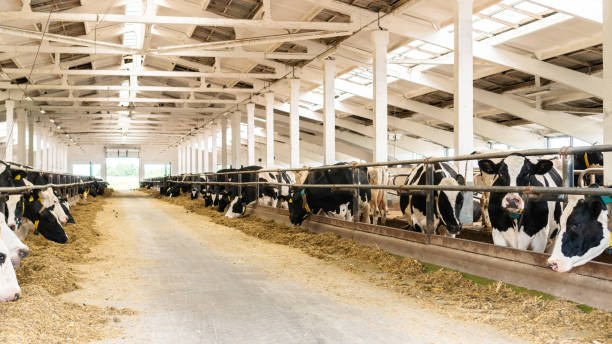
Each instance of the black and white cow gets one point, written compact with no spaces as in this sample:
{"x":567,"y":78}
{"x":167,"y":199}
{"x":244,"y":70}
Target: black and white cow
{"x":242,"y":197}
{"x":515,"y":223}
{"x":447,"y":205}
{"x":587,"y":160}
{"x":275,"y":196}
{"x":307,"y":201}
{"x":9,"y":288}
{"x":584,"y":232}
{"x":224,"y":193}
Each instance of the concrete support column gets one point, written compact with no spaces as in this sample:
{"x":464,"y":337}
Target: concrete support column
{"x":38,"y":144}
{"x":607,"y":99}
{"x":10,"y":113}
{"x":21,"y":136}
{"x":200,"y":153}
{"x":204,"y":146}
{"x":329,"y":112}
{"x":250,"y":134}
{"x":187,"y":157}
{"x":51,"y":156}
{"x":269,"y":129}
{"x":224,"y":142}
{"x":380,"y":38}
{"x":236,"y":154}
{"x":44,"y":153}
{"x":31,"y":154}
{"x":194,"y":155}
{"x":464,"y":99}
{"x":213,"y":148}
{"x":179,"y":153}
{"x":294,"y":123}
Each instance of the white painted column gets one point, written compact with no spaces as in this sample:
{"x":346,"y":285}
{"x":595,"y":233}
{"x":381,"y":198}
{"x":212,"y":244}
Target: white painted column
{"x":380,"y":38}
{"x":329,"y":112}
{"x":213,"y":148}
{"x":10,"y":112}
{"x":194,"y":155}
{"x":187,"y":157}
{"x":250,"y":134}
{"x":179,"y":153}
{"x":21,"y":136}
{"x":270,"y":129}
{"x":38,"y":144}
{"x":464,"y":99}
{"x":44,"y":153}
{"x":51,"y":152}
{"x":204,"y":145}
{"x":236,"y":153}
{"x":31,"y":153}
{"x":224,"y":142}
{"x":607,"y":77}
{"x":294,"y":123}
{"x":200,"y":152}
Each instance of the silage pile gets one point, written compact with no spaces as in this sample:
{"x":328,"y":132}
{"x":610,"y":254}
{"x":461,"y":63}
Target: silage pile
{"x":40,"y":316}
{"x":537,"y":318}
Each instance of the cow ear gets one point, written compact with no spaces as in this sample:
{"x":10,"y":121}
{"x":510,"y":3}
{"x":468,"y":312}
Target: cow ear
{"x":488,"y":166}
{"x":460,"y":179}
{"x":595,"y":205}
{"x":542,"y":167}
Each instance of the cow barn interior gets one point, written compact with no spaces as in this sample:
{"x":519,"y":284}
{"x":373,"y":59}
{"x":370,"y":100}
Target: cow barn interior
{"x":313,"y":171}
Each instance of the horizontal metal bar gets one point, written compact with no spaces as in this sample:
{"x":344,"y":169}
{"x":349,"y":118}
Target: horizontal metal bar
{"x":22,"y":189}
{"x":503,"y":189}
{"x":493,"y":155}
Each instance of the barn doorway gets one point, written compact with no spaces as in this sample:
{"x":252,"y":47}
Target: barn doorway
{"x":123,"y":173}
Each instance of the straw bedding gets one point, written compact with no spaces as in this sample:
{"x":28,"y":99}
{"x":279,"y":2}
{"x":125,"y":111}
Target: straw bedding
{"x":41,"y":316}
{"x":533,"y":316}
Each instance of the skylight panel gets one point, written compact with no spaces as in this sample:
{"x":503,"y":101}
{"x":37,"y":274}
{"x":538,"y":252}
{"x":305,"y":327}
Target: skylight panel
{"x":531,"y":7}
{"x":415,"y":43}
{"x":417,"y":54}
{"x":491,"y":10}
{"x":488,"y":25}
{"x":511,"y":16}
{"x":436,"y":49}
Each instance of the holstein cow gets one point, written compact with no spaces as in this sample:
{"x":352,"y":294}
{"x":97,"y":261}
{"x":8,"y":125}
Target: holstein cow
{"x":222,"y":195}
{"x":515,"y":223}
{"x":588,"y":160}
{"x":584,"y":232}
{"x":17,"y":249}
{"x":29,"y":178}
{"x":378,"y":203}
{"x":275,"y":196}
{"x":305,"y":202}
{"x":9,"y":288}
{"x":247,"y":195}
{"x":447,"y":206}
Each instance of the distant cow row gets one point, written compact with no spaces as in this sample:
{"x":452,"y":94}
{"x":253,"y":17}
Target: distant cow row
{"x":42,"y":211}
{"x":574,"y":233}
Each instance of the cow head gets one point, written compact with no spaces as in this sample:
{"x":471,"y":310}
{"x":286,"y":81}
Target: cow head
{"x":14,"y":208}
{"x":194,"y":192}
{"x":9,"y":288}
{"x":208,"y":200}
{"x":236,"y":208}
{"x":45,"y":220}
{"x":514,"y":170}
{"x":449,"y":205}
{"x":17,"y":250}
{"x":583,"y":234}
{"x":223,"y":200}
{"x":298,"y":207}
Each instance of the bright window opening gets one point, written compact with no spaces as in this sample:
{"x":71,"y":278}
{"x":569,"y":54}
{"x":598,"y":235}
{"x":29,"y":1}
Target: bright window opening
{"x":84,"y":170}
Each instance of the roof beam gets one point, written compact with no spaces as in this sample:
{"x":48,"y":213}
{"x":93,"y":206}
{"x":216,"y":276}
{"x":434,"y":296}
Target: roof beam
{"x":585,"y":9}
{"x":134,"y":100}
{"x":32,"y":87}
{"x":155,"y":73}
{"x":174,"y":20}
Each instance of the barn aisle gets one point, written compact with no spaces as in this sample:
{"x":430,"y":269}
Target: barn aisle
{"x":193,"y":281}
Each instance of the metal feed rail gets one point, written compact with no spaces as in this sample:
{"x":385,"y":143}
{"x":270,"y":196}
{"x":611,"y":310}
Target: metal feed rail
{"x":540,"y":193}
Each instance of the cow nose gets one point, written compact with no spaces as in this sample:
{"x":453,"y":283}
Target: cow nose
{"x":12,"y":226}
{"x":23,"y":253}
{"x":16,"y":297}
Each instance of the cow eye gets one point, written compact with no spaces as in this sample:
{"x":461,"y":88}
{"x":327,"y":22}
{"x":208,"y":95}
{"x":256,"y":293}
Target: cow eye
{"x":2,"y":258}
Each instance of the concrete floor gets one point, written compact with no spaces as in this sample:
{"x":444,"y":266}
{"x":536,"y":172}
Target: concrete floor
{"x":195,"y":282}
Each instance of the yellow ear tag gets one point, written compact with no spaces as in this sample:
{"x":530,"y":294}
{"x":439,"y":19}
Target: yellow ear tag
{"x":31,"y":199}
{"x":307,"y":207}
{"x":18,"y":177}
{"x":22,"y":207}
{"x":36,"y":224}
{"x":84,"y":194}
{"x":290,"y":200}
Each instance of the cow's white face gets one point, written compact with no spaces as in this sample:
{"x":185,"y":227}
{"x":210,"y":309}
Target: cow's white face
{"x":583,"y":234}
{"x":9,"y":288}
{"x":233,"y":212}
{"x":16,"y":249}
{"x":48,"y":199}
{"x":14,"y":206}
{"x":514,"y":170}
